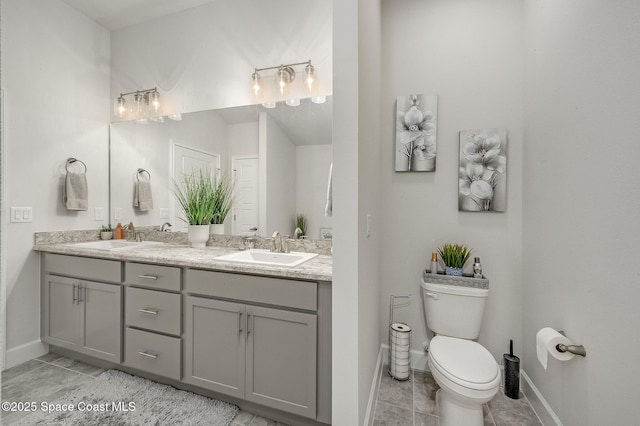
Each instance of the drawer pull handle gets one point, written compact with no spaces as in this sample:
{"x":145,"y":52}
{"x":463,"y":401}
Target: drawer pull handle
{"x":148,"y":355}
{"x":148,"y":277}
{"x":148,"y":311}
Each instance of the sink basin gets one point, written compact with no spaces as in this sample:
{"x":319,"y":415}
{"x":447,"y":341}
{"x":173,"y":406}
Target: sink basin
{"x":112,"y":245}
{"x":266,"y":257}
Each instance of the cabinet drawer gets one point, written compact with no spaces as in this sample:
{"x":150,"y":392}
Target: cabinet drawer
{"x":152,"y":276}
{"x":249,"y":288}
{"x":153,"y":310}
{"x":83,"y":267}
{"x":153,"y":353}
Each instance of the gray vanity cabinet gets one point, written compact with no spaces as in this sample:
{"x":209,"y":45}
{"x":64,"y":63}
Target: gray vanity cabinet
{"x":262,"y":354}
{"x":215,"y":345}
{"x":85,"y":316}
{"x":281,"y":359}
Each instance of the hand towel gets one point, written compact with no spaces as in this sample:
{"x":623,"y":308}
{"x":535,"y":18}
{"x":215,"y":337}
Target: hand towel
{"x":76,"y":192}
{"x":142,"y":198}
{"x":328,"y":210}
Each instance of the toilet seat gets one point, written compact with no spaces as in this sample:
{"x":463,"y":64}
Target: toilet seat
{"x":464,"y":362}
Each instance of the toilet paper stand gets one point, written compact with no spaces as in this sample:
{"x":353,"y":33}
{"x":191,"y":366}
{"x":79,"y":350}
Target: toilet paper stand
{"x":399,"y":344}
{"x":573,"y":349}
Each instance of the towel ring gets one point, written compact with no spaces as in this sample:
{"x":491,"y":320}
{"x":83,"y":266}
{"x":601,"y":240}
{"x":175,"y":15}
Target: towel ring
{"x":143,"y":171}
{"x":72,"y":160}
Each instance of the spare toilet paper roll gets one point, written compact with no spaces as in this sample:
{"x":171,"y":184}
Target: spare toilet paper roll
{"x":546,"y":341}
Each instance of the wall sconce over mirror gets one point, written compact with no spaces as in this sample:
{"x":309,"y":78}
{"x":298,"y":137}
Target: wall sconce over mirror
{"x":138,"y":104}
{"x":281,"y":85}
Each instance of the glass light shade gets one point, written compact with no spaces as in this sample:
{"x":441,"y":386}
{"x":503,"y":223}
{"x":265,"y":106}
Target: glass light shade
{"x":258,"y":92}
{"x":120,"y":107}
{"x":137,"y":106}
{"x":282,"y":83}
{"x":293,"y":102}
{"x":309,"y":78}
{"x":269,"y":104}
{"x":154,"y":102}
{"x":318,"y":99}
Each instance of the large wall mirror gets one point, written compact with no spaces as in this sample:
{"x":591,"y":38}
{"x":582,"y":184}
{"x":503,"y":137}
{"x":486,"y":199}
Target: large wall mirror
{"x":279,"y":159}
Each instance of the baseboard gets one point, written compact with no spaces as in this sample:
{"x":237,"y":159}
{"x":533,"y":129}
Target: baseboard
{"x":23,"y":353}
{"x":418,"y":358}
{"x":543,"y":410}
{"x":373,"y":393}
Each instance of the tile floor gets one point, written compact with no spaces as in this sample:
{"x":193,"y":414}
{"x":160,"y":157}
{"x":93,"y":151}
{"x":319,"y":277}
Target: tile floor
{"x":52,"y":376}
{"x":412,"y":403}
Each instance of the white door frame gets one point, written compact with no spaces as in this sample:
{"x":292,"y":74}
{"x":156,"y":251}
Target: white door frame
{"x":3,"y":235}
{"x":249,"y":157}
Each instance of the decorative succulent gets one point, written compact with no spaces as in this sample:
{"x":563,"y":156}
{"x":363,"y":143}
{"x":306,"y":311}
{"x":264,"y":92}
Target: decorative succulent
{"x":105,"y":228}
{"x":301,"y":223}
{"x":454,"y":255}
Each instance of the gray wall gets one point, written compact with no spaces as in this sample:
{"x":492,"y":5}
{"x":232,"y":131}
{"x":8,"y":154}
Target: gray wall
{"x":581,"y":204}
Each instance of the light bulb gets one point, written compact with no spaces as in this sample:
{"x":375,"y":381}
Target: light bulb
{"x":282,"y":82}
{"x":120,"y":107}
{"x":309,"y":78}
{"x":154,"y":101}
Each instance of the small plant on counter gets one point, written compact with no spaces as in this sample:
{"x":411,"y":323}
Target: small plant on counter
{"x":106,"y":232}
{"x":454,"y":257}
{"x":106,"y":228}
{"x":195,"y":197}
{"x":301,"y":224}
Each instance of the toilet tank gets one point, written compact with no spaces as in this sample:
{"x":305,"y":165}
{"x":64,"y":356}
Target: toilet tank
{"x":454,"y":311}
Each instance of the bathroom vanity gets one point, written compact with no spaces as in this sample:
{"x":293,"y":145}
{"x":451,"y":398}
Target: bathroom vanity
{"x":252,"y":335}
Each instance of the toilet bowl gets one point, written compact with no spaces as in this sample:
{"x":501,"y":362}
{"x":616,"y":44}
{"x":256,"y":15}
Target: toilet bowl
{"x":467,"y":373}
{"x":468,"y":376}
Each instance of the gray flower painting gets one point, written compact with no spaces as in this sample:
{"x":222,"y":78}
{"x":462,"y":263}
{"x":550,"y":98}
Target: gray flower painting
{"x":416,"y":119}
{"x":483,"y":170}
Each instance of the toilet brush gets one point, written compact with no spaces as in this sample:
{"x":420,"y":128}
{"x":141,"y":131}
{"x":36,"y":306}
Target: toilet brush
{"x":511,"y":373}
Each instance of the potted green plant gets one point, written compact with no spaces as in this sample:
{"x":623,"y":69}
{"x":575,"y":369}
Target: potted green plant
{"x":106,"y":233}
{"x":195,"y":197}
{"x":454,"y":257}
{"x":222,"y":193}
{"x":301,"y":226}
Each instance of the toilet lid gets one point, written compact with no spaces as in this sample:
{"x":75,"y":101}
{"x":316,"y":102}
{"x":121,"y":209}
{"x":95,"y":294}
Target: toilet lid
{"x":463,"y":361}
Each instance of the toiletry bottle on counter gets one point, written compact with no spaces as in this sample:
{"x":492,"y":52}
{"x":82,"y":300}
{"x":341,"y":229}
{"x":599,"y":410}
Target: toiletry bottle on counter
{"x":434,"y":263}
{"x":119,"y":231}
{"x":477,"y":268}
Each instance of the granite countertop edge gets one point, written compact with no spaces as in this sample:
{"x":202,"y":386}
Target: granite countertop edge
{"x":319,"y":268}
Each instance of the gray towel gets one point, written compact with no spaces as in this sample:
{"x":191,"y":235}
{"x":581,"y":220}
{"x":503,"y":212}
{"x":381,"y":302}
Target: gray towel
{"x":142,"y":198}
{"x":76,"y":192}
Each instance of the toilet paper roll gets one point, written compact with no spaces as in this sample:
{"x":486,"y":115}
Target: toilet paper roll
{"x":546,"y":340}
{"x":400,"y":341}
{"x":399,"y":328}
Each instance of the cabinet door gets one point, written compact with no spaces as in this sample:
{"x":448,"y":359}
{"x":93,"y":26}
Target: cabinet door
{"x":215,"y":345}
{"x":102,"y":320}
{"x":281,"y":360}
{"x":62,"y":312}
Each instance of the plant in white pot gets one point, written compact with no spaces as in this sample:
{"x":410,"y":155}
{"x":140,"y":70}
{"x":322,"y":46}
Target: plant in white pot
{"x":222,"y":193}
{"x":195,"y":197}
{"x":454,"y":257}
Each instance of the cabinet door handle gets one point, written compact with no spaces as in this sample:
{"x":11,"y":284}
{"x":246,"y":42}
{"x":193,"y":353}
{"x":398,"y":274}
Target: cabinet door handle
{"x":248,"y":319}
{"x":80,"y":288}
{"x":239,"y":323}
{"x":149,"y":311}
{"x":148,"y":355}
{"x":74,"y":294}
{"x":148,"y":277}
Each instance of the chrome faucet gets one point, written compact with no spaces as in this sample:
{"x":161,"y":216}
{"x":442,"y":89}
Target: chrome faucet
{"x":132,"y":234}
{"x":277,"y":243}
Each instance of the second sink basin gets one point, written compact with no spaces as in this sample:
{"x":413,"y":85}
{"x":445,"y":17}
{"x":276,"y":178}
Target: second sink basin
{"x":113,"y":244}
{"x":266,"y":257}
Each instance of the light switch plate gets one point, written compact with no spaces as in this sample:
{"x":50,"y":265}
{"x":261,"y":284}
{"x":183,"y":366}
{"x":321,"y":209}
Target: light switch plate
{"x":21,"y":214}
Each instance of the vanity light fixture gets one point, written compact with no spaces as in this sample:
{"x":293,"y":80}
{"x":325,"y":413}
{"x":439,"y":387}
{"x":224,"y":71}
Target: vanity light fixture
{"x":284,"y":88}
{"x":143,"y":102}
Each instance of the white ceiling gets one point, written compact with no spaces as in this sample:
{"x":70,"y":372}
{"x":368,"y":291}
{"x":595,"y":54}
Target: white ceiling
{"x":116,"y":14}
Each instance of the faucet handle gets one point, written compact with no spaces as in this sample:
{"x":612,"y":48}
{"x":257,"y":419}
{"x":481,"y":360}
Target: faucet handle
{"x":285,"y":244}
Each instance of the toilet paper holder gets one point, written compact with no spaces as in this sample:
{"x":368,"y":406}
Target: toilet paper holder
{"x":574,"y":349}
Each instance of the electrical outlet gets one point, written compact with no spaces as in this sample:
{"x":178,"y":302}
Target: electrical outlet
{"x":21,"y":214}
{"x":164,"y":213}
{"x":99,"y":213}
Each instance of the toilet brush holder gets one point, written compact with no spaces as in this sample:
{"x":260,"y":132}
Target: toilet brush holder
{"x":511,"y":374}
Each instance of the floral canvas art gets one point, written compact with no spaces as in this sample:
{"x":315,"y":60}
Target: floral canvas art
{"x":483,"y":170}
{"x":416,"y":119}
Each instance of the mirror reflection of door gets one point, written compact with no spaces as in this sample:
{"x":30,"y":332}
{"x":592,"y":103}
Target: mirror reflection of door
{"x":188,"y":161}
{"x":245,"y":205}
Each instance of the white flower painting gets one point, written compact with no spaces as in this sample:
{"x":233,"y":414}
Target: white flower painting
{"x":416,"y":120}
{"x":483,"y":170}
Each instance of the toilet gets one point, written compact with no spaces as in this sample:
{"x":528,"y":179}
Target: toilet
{"x":466,"y":371}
